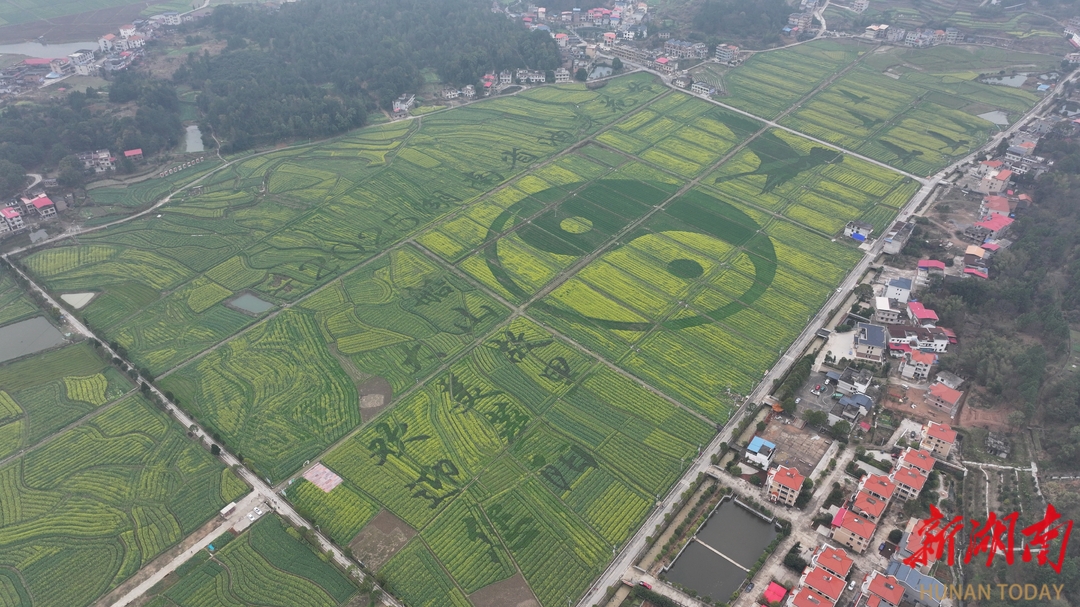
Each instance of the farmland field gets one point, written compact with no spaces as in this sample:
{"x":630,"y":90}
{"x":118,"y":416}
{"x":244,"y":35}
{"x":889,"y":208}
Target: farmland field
{"x":265,"y":565}
{"x":101,"y":500}
{"x":509,"y":328}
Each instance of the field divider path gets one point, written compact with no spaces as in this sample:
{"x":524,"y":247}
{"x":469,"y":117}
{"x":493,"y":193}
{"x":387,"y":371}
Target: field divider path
{"x":259,"y":486}
{"x":622,"y":565}
{"x":75,"y":424}
{"x":404,"y":241}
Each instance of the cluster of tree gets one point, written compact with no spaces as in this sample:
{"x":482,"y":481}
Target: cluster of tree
{"x":41,"y":136}
{"x":315,"y":68}
{"x":750,"y":22}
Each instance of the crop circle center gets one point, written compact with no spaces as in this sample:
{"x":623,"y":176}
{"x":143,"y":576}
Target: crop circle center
{"x":685,"y":268}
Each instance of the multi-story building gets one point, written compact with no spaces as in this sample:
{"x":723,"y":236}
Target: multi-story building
{"x":41,"y":205}
{"x":98,"y":161}
{"x":870,"y":342}
{"x":83,"y":61}
{"x":885,"y":588}
{"x":918,"y":338}
{"x":908,"y":483}
{"x":833,"y":560}
{"x":404,"y":103}
{"x":12,"y":219}
{"x":944,"y":398}
{"x":853,"y":530}
{"x":920,"y":460}
{"x":783,"y":485}
{"x":884,"y":312}
{"x":899,"y":289}
{"x":808,"y":597}
{"x":953,"y":36}
{"x":878,"y":485}
{"x":562,"y":75}
{"x":702,"y":88}
{"x":921,"y":315}
{"x":869,"y":506}
{"x":860,"y":6}
{"x":760,"y":452}
{"x":938,"y":439}
{"x":823,"y":582}
{"x":727,"y":53}
{"x":898,"y":237}
{"x":917,"y":364}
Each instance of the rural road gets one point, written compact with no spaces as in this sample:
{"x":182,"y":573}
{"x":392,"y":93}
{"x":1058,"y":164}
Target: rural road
{"x":261,"y":489}
{"x":36,"y":179}
{"x":622,"y":567}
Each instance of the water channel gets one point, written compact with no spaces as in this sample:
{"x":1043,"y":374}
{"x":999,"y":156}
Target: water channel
{"x":737,"y":534}
{"x":27,"y":337}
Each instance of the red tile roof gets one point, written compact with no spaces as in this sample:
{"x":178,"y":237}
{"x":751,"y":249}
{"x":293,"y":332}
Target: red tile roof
{"x":135,"y":152}
{"x":921,"y":312}
{"x":858,"y":525}
{"x":775,"y":592}
{"x":997,"y":203}
{"x":878,"y":484}
{"x":788,"y":477}
{"x":945,"y":393}
{"x":9,"y":213}
{"x":808,"y":597}
{"x":870,"y":505}
{"x":922,"y":358}
{"x":932,"y":263}
{"x":995,"y":222}
{"x":833,"y":559}
{"x":37,"y":61}
{"x":921,"y":459}
{"x":1003,"y":175}
{"x":910,"y":478}
{"x":992,"y":163}
{"x":41,"y":202}
{"x":873,"y":601}
{"x":825,"y":583}
{"x":975,"y":272}
{"x":942,"y":432}
{"x":887,"y":587}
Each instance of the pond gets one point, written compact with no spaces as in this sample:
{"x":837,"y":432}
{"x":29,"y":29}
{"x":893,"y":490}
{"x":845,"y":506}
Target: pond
{"x":715,"y":562}
{"x":1014,"y":81}
{"x":193,"y":139}
{"x":46,"y":51}
{"x":249,"y":303}
{"x":997,"y":117}
{"x":27,"y":337}
{"x":600,"y":71}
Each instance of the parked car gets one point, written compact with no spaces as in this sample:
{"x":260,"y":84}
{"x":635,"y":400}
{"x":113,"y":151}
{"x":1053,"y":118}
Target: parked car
{"x":645,"y":585}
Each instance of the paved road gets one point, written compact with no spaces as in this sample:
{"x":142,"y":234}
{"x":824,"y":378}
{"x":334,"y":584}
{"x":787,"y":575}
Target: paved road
{"x":622,"y":566}
{"x":36,"y":179}
{"x":261,"y":488}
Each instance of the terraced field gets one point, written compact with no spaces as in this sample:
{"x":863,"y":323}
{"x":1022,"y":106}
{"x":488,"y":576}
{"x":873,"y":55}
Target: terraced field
{"x":101,"y":500}
{"x":508,"y":327}
{"x":266,"y":565}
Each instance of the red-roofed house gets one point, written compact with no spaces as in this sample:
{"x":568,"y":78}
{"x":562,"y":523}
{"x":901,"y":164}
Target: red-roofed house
{"x":127,"y":31}
{"x":808,"y":597}
{"x":10,"y":220}
{"x":938,"y":439}
{"x":107,"y":43}
{"x":917,"y":364}
{"x":775,"y":593}
{"x":921,"y":460}
{"x":44,"y":207}
{"x":944,"y":398}
{"x":869,"y":506}
{"x":833,"y":560}
{"x":784,"y":484}
{"x":921,"y":315}
{"x":562,"y":40}
{"x":994,"y":181}
{"x":854,"y":531}
{"x":824,"y":582}
{"x":987,"y":166}
{"x":995,"y":225}
{"x":994,"y":205}
{"x":976,"y":273}
{"x":135,"y":154}
{"x":908,"y":483}
{"x":912,"y":542}
{"x":885,"y":587}
{"x":878,"y":485}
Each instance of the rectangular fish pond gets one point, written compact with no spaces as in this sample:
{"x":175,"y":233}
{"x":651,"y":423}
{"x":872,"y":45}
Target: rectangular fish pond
{"x":251,"y":304}
{"x":715,"y":561}
{"x":27,"y":337}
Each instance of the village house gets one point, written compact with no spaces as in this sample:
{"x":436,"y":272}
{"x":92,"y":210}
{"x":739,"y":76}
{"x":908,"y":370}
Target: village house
{"x":895,"y":34}
{"x":833,"y":560}
{"x":800,"y":20}
{"x":562,"y":40}
{"x":906,"y":337}
{"x":127,"y":31}
{"x":860,"y":6}
{"x":451,"y":93}
{"x":885,"y":588}
{"x":760,"y":452}
{"x":12,"y":220}
{"x":938,"y":439}
{"x":825,"y":583}
{"x":506,"y":77}
{"x":562,"y":75}
{"x":898,"y":237}
{"x":908,"y":483}
{"x":878,"y":485}
{"x":870,"y":342}
{"x":852,"y":530}
{"x":884,"y":311}
{"x":930,"y":267}
{"x":98,"y":161}
{"x":133,"y":155}
{"x":919,"y":460}
{"x":852,"y":380}
{"x":869,"y":506}
{"x":665,"y":65}
{"x":83,"y":62}
{"x":994,"y":205}
{"x":921,"y":316}
{"x":919,"y":588}
{"x":682,"y":82}
{"x":898,"y":289}
{"x":917,"y":364}
{"x":994,"y":181}
{"x":61,"y":66}
{"x":41,"y":205}
{"x":987,"y":229}
{"x":702,"y":88}
{"x":944,"y":398}
{"x":784,"y":485}
{"x":404,"y":103}
{"x":951,"y":380}
{"x":727,"y":53}
{"x":107,"y":43}
{"x":469,"y":91}
{"x":859,"y":230}
{"x":808,"y":597}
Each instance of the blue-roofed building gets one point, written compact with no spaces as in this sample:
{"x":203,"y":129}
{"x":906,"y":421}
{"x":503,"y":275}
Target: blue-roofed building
{"x":760,"y":452}
{"x":870,"y":342}
{"x":857,"y":400}
{"x":899,"y":289}
{"x":919,"y":588}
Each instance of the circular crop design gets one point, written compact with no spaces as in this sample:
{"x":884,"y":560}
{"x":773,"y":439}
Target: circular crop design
{"x":596,"y":214}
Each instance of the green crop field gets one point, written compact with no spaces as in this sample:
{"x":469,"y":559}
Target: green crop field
{"x":922,"y":119}
{"x":266,"y":565}
{"x":44,"y":393}
{"x":101,"y":500}
{"x":508,"y":327}
{"x":15,"y":305}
